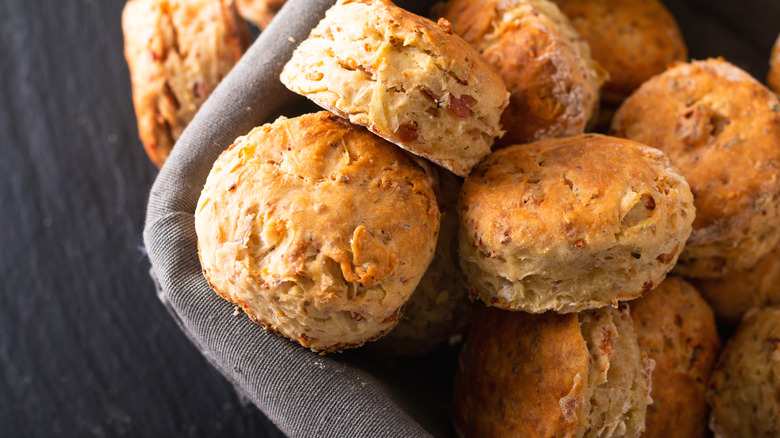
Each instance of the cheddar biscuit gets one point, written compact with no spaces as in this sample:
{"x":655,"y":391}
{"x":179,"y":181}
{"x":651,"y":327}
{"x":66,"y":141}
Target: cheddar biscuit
{"x":739,"y":291}
{"x":318,"y":229}
{"x":403,"y":77}
{"x":547,"y":68}
{"x":177,"y":51}
{"x":440,"y":309}
{"x":552,"y":375}
{"x":744,"y":386}
{"x":571,"y":224}
{"x":632,"y":40}
{"x":676,"y":328}
{"x":721,"y":127}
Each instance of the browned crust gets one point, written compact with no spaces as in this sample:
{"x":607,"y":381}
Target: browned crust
{"x":743,"y":389}
{"x":319,"y":230}
{"x":632,"y":40}
{"x":514,"y":371}
{"x":721,"y":127}
{"x":676,"y":328}
{"x":550,"y":80}
{"x":739,"y":291}
{"x":177,"y":53}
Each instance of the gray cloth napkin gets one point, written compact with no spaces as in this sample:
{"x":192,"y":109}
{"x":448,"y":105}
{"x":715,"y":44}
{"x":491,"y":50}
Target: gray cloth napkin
{"x":349,"y":394}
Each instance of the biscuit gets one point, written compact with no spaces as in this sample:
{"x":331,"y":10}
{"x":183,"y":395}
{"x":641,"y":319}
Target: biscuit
{"x":632,"y":40}
{"x":676,"y":328}
{"x":547,"y":68}
{"x":744,"y":385}
{"x":737,"y":292}
{"x":318,"y":229}
{"x":551,"y":375}
{"x":773,"y":76}
{"x":721,"y":127}
{"x":259,"y":12}
{"x":177,"y":51}
{"x":571,"y":224}
{"x":403,"y":77}
{"x":439,"y":310}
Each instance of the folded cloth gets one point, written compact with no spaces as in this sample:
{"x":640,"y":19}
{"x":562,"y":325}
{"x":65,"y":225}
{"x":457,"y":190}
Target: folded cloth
{"x":348,"y":394}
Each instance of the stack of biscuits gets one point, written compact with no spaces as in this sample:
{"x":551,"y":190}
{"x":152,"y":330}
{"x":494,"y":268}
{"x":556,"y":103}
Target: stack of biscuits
{"x":456,"y":184}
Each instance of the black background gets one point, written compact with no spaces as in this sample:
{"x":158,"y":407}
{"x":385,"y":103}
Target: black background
{"x":86,"y":349}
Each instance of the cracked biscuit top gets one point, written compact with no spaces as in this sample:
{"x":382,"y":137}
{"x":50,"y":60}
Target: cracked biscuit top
{"x":721,"y":128}
{"x":177,"y":51}
{"x":318,"y":229}
{"x":571,"y":224}
{"x":405,"y":78}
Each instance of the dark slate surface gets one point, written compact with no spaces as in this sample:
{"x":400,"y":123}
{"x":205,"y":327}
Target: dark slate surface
{"x":86,"y":349}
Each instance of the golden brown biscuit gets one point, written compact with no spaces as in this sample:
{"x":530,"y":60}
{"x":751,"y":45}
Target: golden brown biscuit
{"x":739,"y":291}
{"x":721,"y":127}
{"x":632,"y":40}
{"x":551,"y":375}
{"x":547,"y":68}
{"x":259,"y":12}
{"x":571,"y":224}
{"x":743,"y":391}
{"x":676,"y":328}
{"x":773,"y":77}
{"x":177,"y":51}
{"x":403,"y":77}
{"x":318,"y":229}
{"x":439,"y":310}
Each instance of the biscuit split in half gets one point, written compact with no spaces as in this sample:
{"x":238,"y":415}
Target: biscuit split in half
{"x":403,"y":77}
{"x":721,"y":127}
{"x":552,"y":375}
{"x":318,"y":229}
{"x":571,"y":224}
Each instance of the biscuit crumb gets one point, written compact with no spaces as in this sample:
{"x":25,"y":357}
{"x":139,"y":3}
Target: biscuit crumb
{"x":236,"y":311}
{"x":291,"y":39}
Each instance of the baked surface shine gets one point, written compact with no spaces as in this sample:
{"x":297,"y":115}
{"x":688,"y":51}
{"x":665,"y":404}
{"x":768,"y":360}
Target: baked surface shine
{"x":557,"y":225}
{"x":547,"y":68}
{"x":405,"y":78}
{"x":318,"y":229}
{"x":721,"y":127}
